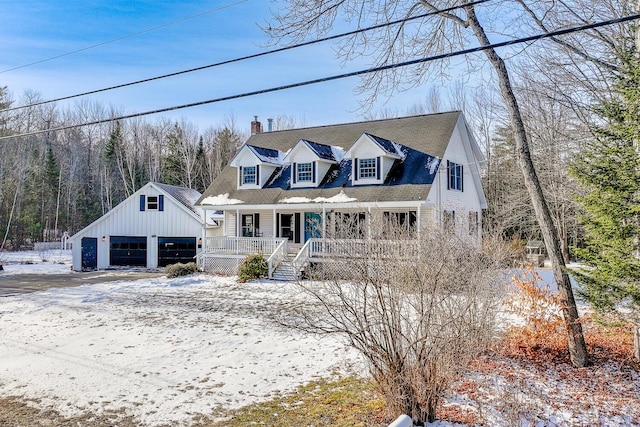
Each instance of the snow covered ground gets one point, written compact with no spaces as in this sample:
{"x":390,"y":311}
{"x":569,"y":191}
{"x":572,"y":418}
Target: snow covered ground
{"x":33,"y":262}
{"x":164,"y":350}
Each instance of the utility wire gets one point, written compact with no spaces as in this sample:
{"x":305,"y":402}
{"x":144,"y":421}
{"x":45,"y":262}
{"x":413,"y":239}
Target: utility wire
{"x":345,"y":75}
{"x":256,"y":55}
{"x":148,"y":30}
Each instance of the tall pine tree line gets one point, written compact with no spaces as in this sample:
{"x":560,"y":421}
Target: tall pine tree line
{"x":609,"y":169}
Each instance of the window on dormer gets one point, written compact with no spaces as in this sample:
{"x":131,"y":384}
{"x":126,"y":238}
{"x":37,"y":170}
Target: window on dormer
{"x":367,"y":168}
{"x":249,"y":175}
{"x":304,"y":172}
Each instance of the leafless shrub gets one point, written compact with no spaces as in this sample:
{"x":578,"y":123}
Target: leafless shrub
{"x":417,"y":311}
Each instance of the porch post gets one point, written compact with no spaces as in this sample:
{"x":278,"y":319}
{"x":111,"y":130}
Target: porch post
{"x":238,"y":230}
{"x":204,"y":231}
{"x":418,"y":222}
{"x":274,"y":222}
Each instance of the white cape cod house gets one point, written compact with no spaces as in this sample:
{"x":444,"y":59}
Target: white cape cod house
{"x":285,"y":191}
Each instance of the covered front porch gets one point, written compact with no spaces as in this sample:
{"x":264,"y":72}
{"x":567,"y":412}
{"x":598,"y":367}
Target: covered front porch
{"x":223,"y":255}
{"x":292,"y":235}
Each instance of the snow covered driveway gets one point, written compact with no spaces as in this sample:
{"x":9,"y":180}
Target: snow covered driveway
{"x":160,"y":349}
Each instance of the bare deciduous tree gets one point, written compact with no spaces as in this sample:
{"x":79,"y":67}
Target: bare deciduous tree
{"x":446,"y":30}
{"x":417,"y":309}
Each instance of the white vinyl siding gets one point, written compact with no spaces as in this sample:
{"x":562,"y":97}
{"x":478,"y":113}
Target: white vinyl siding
{"x":126,"y":219}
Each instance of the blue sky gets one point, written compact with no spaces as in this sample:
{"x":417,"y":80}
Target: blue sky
{"x":33,"y":30}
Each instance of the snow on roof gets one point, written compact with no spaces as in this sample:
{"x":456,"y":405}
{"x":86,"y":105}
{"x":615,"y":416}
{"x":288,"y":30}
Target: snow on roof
{"x":387,"y":145}
{"x":338,"y":198}
{"x":338,"y":153}
{"x":323,"y":151}
{"x":220,"y":200}
{"x":267,"y":155}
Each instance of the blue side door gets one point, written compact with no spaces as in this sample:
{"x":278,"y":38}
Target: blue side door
{"x":89,"y":247}
{"x":312,"y":225}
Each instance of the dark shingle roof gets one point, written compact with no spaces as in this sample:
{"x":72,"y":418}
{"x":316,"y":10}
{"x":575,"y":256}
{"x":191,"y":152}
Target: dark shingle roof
{"x":267,"y":155}
{"x":322,"y":151}
{"x":385,"y":144}
{"x":423,"y":139}
{"x":186,"y":196}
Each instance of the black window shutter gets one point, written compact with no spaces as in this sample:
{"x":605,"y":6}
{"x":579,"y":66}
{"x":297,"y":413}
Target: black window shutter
{"x":355,"y":169}
{"x":258,"y":174}
{"x":296,"y":229}
{"x":277,"y":225}
{"x":461,"y":178}
{"x":313,"y":168}
{"x":161,"y":202}
{"x":142,"y":202}
{"x":256,"y":223}
{"x":294,"y":173}
{"x":378,"y":168}
{"x":240,"y":176}
{"x":448,"y":175}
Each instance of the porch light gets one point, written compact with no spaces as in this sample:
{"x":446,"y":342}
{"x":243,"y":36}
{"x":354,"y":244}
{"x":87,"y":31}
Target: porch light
{"x":104,"y":238}
{"x":200,"y":243}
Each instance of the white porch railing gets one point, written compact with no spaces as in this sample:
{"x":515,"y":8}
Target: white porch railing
{"x":303,"y":256}
{"x":216,"y":249}
{"x":278,"y":255}
{"x":241,"y":245}
{"x":349,"y":248}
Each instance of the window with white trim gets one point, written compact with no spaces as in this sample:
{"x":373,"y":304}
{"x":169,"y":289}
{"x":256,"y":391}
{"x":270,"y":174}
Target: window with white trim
{"x":395,"y":222}
{"x":455,"y":176}
{"x":367,"y":168}
{"x":249,"y":175}
{"x":152,"y":203}
{"x":304,"y":172}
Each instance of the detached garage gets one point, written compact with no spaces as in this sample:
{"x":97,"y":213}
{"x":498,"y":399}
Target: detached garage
{"x":155,"y":227}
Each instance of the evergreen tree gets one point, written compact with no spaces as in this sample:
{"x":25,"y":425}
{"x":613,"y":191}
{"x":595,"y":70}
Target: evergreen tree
{"x":172,"y":163}
{"x":609,"y":169}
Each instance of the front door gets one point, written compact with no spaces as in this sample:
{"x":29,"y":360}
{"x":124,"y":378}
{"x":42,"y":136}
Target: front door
{"x":312,"y":225}
{"x":89,"y":249}
{"x":286,"y":226}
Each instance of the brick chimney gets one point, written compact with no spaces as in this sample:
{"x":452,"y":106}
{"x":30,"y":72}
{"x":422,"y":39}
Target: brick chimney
{"x":256,"y":126}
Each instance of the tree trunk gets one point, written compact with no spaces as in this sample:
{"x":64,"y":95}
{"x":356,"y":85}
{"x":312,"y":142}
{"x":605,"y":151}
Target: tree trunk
{"x":13,"y":206}
{"x":577,"y":346}
{"x":636,"y":341}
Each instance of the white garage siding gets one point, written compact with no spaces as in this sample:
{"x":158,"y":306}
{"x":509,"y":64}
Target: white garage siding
{"x":126,"y":219}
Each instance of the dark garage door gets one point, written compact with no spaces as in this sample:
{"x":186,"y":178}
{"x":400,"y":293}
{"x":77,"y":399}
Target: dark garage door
{"x":128,"y":250}
{"x":176,"y":249}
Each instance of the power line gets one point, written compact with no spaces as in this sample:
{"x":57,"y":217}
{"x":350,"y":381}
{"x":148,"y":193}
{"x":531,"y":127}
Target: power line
{"x":345,"y":75}
{"x":252,"y":56}
{"x":148,"y":30}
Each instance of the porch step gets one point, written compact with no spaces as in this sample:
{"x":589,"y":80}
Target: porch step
{"x":285,"y":272}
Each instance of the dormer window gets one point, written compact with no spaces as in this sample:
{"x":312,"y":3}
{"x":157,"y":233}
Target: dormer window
{"x":367,"y":168}
{"x":372,"y":158}
{"x":255,"y":165}
{"x":304,"y":172}
{"x":249,"y":175}
{"x":310,"y":162}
